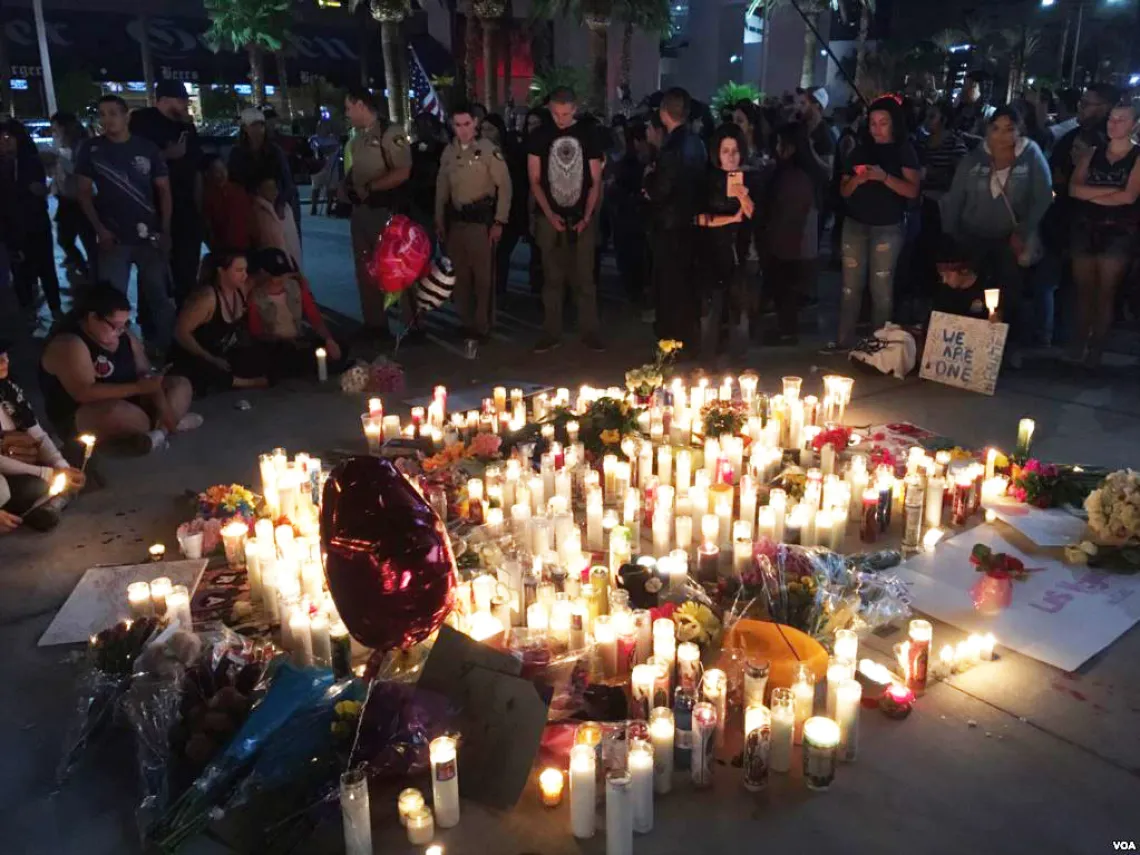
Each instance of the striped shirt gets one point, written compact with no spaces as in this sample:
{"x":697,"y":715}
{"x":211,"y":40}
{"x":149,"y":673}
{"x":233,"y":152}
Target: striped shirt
{"x":940,"y":160}
{"x":124,"y":175}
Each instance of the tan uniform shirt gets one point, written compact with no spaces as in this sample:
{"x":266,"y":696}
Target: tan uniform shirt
{"x":375,"y":152}
{"x":472,"y":173}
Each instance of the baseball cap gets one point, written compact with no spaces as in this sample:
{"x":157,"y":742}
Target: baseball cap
{"x":273,"y":261}
{"x":170,"y":89}
{"x":821,"y":97}
{"x":250,"y":116}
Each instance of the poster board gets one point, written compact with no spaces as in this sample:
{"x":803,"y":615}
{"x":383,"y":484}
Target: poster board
{"x":963,"y":352}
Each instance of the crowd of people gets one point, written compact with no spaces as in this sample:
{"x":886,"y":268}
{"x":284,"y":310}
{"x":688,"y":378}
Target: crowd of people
{"x":713,"y":221}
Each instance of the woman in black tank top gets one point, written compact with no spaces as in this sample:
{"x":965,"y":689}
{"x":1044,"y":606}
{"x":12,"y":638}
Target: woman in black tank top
{"x":211,"y":347}
{"x":1106,"y":185}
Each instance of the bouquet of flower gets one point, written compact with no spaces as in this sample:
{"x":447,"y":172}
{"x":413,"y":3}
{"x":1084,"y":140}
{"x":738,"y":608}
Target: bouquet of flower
{"x":837,"y":437}
{"x":226,"y":502}
{"x":723,"y":417}
{"x":646,"y":379}
{"x":1114,"y":509}
{"x":605,"y":423}
{"x":1047,"y":485}
{"x":485,"y":446}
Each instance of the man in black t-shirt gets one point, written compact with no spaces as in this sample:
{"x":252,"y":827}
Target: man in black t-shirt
{"x":169,"y":126}
{"x":564,"y":166}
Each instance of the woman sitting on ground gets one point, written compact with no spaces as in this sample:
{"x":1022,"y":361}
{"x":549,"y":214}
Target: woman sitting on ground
{"x":211,"y":347}
{"x":280,"y":304}
{"x":96,"y":378}
{"x":29,"y":461}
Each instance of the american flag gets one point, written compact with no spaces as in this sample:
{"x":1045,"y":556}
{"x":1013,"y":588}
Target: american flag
{"x":424,"y":98}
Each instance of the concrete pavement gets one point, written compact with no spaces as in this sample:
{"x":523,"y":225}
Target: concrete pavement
{"x":1049,"y":766}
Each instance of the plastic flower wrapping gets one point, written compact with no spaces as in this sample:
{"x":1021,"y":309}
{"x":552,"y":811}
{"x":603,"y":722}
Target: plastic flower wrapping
{"x":1114,"y":509}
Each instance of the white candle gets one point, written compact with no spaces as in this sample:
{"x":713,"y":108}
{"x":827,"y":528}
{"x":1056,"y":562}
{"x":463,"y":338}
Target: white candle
{"x":748,"y":503}
{"x":846,"y":645}
{"x":178,"y":607}
{"x":935,"y":487}
{"x":741,"y":548}
{"x":445,"y":780}
{"x":714,"y":687}
{"x":354,"y":808}
{"x":1025,"y":429}
{"x":821,"y":745}
{"x":641,"y":773}
{"x":986,"y":644}
{"x":641,"y":688}
{"x":827,"y":459}
{"x":606,"y":639}
{"x":583,"y":789}
{"x":665,"y":465}
{"x":688,"y":666}
{"x":619,"y":813}
{"x":685,"y":534}
{"x":803,"y":691}
{"x":322,"y":643}
{"x":594,"y":530}
{"x":301,"y":639}
{"x":783,"y":730}
{"x":409,"y":800}
{"x":420,"y":824}
{"x":838,"y":670}
{"x":160,"y":589}
{"x":766,"y":523}
{"x":138,"y":600}
{"x":847,"y":700}
{"x":684,"y":470}
{"x":661,"y":732}
{"x":322,"y":365}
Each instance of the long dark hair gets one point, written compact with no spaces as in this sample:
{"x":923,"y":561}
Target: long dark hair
{"x":732,"y":131}
{"x":889,"y":105}
{"x":71,"y":129}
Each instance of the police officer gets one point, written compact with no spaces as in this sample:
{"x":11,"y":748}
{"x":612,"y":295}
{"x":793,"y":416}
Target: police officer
{"x":376,"y":185}
{"x":472,"y":204}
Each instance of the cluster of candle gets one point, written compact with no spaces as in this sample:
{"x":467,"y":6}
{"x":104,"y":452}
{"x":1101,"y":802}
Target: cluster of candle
{"x":292,"y":489}
{"x":914,"y":655}
{"x":159,"y":598}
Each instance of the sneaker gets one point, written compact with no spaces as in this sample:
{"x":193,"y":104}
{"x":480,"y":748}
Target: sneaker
{"x":190,"y":421}
{"x":833,"y":348}
{"x":547,"y":343}
{"x":154,"y":440}
{"x":594,"y":343}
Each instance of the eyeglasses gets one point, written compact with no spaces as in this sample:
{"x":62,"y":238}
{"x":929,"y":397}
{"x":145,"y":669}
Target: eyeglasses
{"x":117,"y":329}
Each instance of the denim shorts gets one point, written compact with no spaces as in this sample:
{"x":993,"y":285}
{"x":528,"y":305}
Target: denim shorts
{"x":1112,"y":238}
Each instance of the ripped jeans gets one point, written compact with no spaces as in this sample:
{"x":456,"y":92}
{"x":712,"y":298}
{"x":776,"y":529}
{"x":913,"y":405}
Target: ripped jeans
{"x":868,"y":252}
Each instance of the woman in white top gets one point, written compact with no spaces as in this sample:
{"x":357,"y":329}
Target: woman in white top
{"x":29,"y":460}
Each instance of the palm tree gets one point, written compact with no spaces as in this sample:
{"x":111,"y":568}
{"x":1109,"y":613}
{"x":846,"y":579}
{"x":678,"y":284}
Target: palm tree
{"x":147,"y":54}
{"x":391,"y":14}
{"x":811,"y":10}
{"x":489,"y":13}
{"x":866,"y":13}
{"x":596,"y":15}
{"x":470,"y":45}
{"x":1023,"y":43}
{"x":253,"y":26}
{"x":943,"y":41}
{"x":649,"y":16}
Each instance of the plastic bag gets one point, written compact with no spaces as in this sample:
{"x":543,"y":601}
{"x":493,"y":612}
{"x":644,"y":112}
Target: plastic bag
{"x":557,"y":672}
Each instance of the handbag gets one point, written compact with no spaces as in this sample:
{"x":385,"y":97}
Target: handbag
{"x":1034,"y":249}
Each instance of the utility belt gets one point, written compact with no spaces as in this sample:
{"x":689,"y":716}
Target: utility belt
{"x":480,"y":212}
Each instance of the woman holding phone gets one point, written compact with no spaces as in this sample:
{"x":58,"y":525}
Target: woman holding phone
{"x":880,"y":178}
{"x":727,"y":204}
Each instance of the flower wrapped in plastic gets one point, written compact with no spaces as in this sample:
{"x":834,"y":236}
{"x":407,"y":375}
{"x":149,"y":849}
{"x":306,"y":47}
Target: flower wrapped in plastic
{"x":1114,"y":509}
{"x":560,"y":673}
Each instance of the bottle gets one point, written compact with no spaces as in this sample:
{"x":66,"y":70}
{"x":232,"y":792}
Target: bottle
{"x":915,"y":506}
{"x":683,"y":703}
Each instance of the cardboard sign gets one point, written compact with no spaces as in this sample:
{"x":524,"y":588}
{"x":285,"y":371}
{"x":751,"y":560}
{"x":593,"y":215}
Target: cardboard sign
{"x":963,"y":352}
{"x":1061,"y":615}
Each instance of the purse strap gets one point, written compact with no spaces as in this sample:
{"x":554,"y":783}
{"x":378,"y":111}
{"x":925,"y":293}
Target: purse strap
{"x":1004,"y":196}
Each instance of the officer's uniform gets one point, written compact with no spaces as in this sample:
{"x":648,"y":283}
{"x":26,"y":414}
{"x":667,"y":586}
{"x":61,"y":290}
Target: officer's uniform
{"x":374,"y":152}
{"x":473,"y":192}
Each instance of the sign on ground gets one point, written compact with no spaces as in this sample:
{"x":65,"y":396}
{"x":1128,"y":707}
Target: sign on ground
{"x":963,"y":352}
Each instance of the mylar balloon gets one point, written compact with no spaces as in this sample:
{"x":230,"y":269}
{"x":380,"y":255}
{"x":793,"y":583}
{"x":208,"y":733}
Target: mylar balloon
{"x":401,"y":255}
{"x":389,"y":565}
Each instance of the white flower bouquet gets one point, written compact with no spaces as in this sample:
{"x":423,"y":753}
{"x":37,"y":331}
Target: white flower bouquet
{"x":1114,"y":509}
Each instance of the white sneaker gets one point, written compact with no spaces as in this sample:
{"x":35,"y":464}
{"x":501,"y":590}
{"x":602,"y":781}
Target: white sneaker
{"x":190,"y":421}
{"x":157,"y":440}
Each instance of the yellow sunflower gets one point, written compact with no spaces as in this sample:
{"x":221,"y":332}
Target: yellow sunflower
{"x":610,"y":437}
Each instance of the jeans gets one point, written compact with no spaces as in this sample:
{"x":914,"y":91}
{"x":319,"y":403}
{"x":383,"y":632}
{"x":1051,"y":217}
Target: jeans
{"x":868,"y":252}
{"x":157,"y":320}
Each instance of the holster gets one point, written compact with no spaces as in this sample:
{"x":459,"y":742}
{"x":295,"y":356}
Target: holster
{"x":481,"y":212}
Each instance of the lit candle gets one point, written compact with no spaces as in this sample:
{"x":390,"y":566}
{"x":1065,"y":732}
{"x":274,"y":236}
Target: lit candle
{"x":410,"y":799}
{"x":178,"y":607}
{"x":1025,"y":429}
{"x":421,"y":827}
{"x":321,"y":640}
{"x":354,"y":808}
{"x":157,"y":552}
{"x":714,"y":687}
{"x":661,"y":732}
{"x":375,"y":407}
{"x":757,"y":746}
{"x":605,"y":636}
{"x":300,"y":638}
{"x":783,"y":730}
{"x":741,"y":548}
{"x":684,"y":472}
{"x":160,"y":589}
{"x":550,"y":783}
{"x":322,"y":365}
{"x":821,"y":745}
{"x":88,"y":441}
{"x":803,"y":691}
{"x":931,"y":538}
{"x":846,"y":645}
{"x":986,"y":644}
{"x":445,"y":780}
{"x":641,"y":688}
{"x":619,"y":813}
{"x":705,"y":727}
{"x":778,"y":502}
{"x":583,"y":787}
{"x":847,"y":702}
{"x":897,"y":701}
{"x":838,"y":670}
{"x":992,"y":296}
{"x":138,"y":600}
{"x":665,"y":465}
{"x":921,"y":634}
{"x":233,"y":541}
{"x":641,"y":772}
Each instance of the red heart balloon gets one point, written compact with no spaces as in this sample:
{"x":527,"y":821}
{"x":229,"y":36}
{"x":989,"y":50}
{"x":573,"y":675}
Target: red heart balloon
{"x":401,"y":254}
{"x":389,"y":564}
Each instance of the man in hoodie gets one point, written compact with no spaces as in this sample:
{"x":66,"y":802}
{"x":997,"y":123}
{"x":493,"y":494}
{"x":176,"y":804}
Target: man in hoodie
{"x":999,"y":195}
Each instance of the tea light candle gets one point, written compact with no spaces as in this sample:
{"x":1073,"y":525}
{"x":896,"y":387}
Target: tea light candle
{"x":897,"y":701}
{"x":409,"y":800}
{"x":138,"y":599}
{"x":783,"y":730}
{"x":661,"y":733}
{"x":821,"y":745}
{"x":421,"y":827}
{"x":583,"y":789}
{"x":445,"y":780}
{"x":157,"y":552}
{"x":550,"y":783}
{"x":355,"y":810}
{"x":641,"y":772}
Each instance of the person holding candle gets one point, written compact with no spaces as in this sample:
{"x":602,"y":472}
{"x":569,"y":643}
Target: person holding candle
{"x":280,"y":305}
{"x":29,"y":461}
{"x":96,"y":378}
{"x":209,"y":349}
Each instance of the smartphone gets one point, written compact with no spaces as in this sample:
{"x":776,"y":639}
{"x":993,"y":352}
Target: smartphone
{"x":861,"y":169}
{"x":735,"y":179}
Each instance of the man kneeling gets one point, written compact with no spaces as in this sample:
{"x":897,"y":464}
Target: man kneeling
{"x":96,"y":379}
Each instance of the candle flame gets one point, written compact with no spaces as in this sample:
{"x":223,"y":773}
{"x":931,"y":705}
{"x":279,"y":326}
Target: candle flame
{"x":58,"y":485}
{"x":87,"y":439}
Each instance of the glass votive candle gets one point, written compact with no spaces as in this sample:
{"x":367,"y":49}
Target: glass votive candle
{"x":421,"y":826}
{"x":550,"y":785}
{"x":409,"y":801}
{"x":233,"y":541}
{"x":373,"y":431}
{"x":157,"y":552}
{"x":160,"y":589}
{"x":138,"y":600}
{"x":821,"y":745}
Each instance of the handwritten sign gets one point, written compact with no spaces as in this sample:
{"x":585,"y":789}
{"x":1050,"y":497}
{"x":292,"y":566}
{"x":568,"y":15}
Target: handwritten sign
{"x":963,"y":352}
{"x":1061,"y":615}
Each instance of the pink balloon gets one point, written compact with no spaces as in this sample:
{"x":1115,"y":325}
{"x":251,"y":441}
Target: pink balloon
{"x":401,"y":255}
